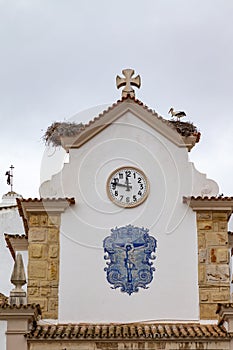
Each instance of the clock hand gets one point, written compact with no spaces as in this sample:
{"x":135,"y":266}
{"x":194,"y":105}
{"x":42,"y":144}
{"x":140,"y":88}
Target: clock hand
{"x":122,"y":185}
{"x":127,"y":184}
{"x":115,"y":183}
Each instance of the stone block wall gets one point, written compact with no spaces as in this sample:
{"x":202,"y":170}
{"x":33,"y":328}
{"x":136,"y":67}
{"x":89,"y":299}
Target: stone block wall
{"x":213,"y":261}
{"x":43,"y":262}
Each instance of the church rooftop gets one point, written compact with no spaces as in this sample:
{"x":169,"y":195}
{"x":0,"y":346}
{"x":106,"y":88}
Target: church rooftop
{"x":184,"y":134}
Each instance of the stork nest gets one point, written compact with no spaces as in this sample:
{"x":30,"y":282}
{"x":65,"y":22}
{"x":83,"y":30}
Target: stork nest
{"x":184,"y":128}
{"x":55,"y":131}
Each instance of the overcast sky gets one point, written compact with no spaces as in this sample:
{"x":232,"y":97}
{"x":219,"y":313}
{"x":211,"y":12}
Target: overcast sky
{"x":58,"y":57}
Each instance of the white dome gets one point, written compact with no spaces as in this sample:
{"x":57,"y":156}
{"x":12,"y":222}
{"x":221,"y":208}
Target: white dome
{"x":9,"y":199}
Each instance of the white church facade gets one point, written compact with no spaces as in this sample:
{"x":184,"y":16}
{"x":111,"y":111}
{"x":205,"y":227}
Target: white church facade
{"x":128,"y":246}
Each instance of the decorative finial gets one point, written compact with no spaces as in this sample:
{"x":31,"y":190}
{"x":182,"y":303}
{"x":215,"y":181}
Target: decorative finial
{"x":128,"y":82}
{"x":9,"y":179}
{"x":18,"y":278}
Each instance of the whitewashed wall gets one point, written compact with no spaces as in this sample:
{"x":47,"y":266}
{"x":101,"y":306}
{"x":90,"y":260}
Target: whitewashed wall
{"x":10,"y":222}
{"x":84,"y":293}
{"x":3,"y":326}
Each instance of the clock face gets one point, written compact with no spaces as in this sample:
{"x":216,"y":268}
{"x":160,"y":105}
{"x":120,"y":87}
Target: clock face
{"x":127,"y":187}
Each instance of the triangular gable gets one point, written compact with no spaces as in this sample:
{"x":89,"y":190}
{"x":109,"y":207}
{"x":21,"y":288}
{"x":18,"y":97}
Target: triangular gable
{"x":139,"y":110}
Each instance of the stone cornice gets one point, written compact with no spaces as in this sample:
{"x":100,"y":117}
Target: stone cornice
{"x":210,"y":203}
{"x":16,"y":242}
{"x":48,"y":206}
{"x":29,"y":311}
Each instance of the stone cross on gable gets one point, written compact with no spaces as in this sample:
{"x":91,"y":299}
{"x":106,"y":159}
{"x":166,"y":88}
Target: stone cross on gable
{"x":128,"y":82}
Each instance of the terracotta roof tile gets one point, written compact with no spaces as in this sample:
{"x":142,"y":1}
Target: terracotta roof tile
{"x":118,"y":102}
{"x":46,"y":203}
{"x":188,"y":132}
{"x":21,"y":306}
{"x":126,"y":331}
{"x":219,"y":198}
{"x":3,"y":299}
{"x":69,"y":200}
{"x":225,"y":305}
{"x":210,"y":203}
{"x":223,"y":309}
{"x":8,"y":207}
{"x":14,"y":236}
{"x":6,"y":310}
{"x":140,"y":103}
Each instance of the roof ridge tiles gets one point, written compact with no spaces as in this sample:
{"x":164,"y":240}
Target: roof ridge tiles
{"x":15,"y":235}
{"x":123,"y":99}
{"x":212,"y":198}
{"x":41,"y":199}
{"x":100,"y":121}
{"x":20,"y":306}
{"x":139,"y":330}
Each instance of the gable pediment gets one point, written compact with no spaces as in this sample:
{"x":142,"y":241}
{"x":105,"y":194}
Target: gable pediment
{"x":139,"y":110}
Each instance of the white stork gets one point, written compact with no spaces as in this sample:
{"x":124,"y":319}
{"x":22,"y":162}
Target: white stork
{"x":177,"y":114}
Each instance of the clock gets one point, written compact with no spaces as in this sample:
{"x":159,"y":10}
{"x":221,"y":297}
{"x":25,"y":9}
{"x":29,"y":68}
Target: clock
{"x":127,"y":187}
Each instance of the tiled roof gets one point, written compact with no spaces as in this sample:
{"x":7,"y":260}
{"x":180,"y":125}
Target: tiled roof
{"x":14,"y":235}
{"x":126,"y":331}
{"x":41,"y":203}
{"x":8,"y":207}
{"x":21,"y":306}
{"x":223,"y":309}
{"x":3,"y":299}
{"x":210,"y":203}
{"x":172,"y":124}
{"x":8,"y":238}
{"x":212,"y":199}
{"x":114,"y":105}
{"x":188,"y":136}
{"x":7,"y":309}
{"x":44,"y":200}
{"x":225,"y":305}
